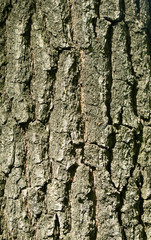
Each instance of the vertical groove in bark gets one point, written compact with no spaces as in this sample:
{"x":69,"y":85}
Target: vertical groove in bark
{"x":135,"y":84}
{"x":137,"y":147}
{"x":121,"y":196}
{"x":73,"y":23}
{"x":138,"y":6}
{"x":97,"y":8}
{"x":112,"y":140}
{"x":82,"y":98}
{"x":56,"y":229}
{"x":108,"y":52}
{"x":68,"y":197}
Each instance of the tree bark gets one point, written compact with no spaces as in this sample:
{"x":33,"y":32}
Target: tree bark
{"x":75,"y":119}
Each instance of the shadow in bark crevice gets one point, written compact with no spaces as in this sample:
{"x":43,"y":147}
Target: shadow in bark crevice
{"x":92,"y":196}
{"x":56,"y":233}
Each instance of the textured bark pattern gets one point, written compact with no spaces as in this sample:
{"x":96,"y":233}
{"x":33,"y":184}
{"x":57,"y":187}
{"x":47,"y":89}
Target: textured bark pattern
{"x":75,"y":119}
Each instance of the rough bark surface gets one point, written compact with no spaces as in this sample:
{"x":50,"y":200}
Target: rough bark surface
{"x":75,"y":119}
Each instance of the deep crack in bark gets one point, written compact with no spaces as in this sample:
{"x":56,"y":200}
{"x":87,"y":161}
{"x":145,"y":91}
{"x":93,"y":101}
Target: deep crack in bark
{"x":108,"y":52}
{"x":72,"y":172}
{"x":93,"y":197}
{"x":56,"y":233}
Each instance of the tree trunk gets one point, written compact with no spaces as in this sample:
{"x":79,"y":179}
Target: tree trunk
{"x":75,"y":119}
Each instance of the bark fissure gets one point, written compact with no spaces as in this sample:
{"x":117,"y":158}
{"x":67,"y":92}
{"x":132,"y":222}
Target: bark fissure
{"x":138,"y":142}
{"x":134,"y":85}
{"x":122,"y":9}
{"x":56,"y":234}
{"x":93,"y":197}
{"x":112,"y":142}
{"x":148,"y":33}
{"x":73,"y":22}
{"x":140,"y":205}
{"x":149,"y":3}
{"x":97,"y":8}
{"x":2,"y":203}
{"x":68,"y":203}
{"x":108,"y":52}
{"x":121,"y":198}
{"x":82,"y":98}
{"x":94,"y":23}
{"x":27,"y":36}
{"x":138,"y":6}
{"x":6,"y":12}
{"x":137,"y":145}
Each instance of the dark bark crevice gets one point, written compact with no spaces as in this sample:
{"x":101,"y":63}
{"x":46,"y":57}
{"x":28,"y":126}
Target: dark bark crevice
{"x":138,"y":142}
{"x":56,"y":233}
{"x":27,"y":32}
{"x":83,"y":117}
{"x":73,"y":33}
{"x":6,"y":12}
{"x":97,"y":8}
{"x":148,"y":36}
{"x":109,"y":153}
{"x":140,"y":205}
{"x":3,"y":63}
{"x":95,"y":19}
{"x":28,"y":43}
{"x":93,"y":197}
{"x":138,"y":6}
{"x":122,"y":9}
{"x":134,"y":90}
{"x":67,"y":203}
{"x":138,"y":139}
{"x":2,"y":201}
{"x":128,"y":46}
{"x":149,"y":3}
{"x":94,"y":23}
{"x":118,"y":209}
{"x":100,"y":146}
{"x":50,"y":104}
{"x":108,"y":53}
{"x":134,"y":85}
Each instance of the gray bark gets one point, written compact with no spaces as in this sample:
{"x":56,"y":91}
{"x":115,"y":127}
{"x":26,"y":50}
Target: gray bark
{"x":75,"y":119}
